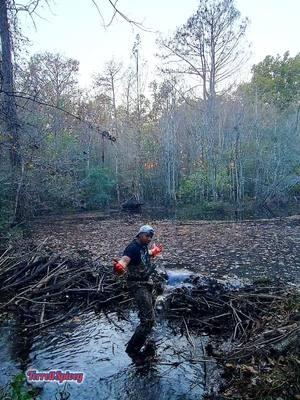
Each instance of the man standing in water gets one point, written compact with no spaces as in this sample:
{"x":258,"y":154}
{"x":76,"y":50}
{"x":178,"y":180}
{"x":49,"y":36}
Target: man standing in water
{"x":136,"y":263}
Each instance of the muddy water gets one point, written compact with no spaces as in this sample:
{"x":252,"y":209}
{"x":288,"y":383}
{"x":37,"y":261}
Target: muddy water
{"x":94,"y":344}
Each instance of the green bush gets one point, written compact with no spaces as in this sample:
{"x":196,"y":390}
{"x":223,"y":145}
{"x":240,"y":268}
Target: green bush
{"x":18,"y":390}
{"x":212,"y":206}
{"x":98,"y":188}
{"x":196,"y":187}
{"x":191,"y":187}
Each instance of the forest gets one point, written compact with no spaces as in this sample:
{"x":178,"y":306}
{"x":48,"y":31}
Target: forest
{"x":192,"y":137}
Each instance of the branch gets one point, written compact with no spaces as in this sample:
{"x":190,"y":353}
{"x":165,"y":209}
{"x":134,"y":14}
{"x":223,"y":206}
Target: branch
{"x":176,"y":53}
{"x":26,"y":96}
{"x":116,"y":11}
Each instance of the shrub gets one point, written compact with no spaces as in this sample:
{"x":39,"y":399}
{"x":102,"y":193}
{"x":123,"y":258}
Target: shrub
{"x":98,"y":188}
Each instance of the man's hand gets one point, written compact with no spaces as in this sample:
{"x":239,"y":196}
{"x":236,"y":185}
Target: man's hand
{"x":119,"y":267}
{"x":156,"y":250}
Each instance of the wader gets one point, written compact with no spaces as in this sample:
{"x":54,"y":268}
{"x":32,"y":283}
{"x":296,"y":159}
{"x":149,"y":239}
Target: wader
{"x":140,"y":287}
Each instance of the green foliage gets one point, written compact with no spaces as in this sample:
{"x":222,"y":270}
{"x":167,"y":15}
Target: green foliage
{"x":276,"y":80}
{"x":97,"y":188}
{"x":241,"y":147}
{"x":223,"y":183}
{"x":196,"y":187}
{"x":52,"y":178}
{"x":192,"y":187}
{"x":18,"y":390}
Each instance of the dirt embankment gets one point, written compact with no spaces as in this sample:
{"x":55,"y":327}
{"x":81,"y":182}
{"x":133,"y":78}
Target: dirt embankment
{"x":249,"y":249}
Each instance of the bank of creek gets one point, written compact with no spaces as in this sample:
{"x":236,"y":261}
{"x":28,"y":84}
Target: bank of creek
{"x":228,"y":310}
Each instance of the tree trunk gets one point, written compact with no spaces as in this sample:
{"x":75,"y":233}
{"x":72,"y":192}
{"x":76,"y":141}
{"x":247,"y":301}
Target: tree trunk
{"x":10,"y":112}
{"x":10,"y":115}
{"x":116,"y":131}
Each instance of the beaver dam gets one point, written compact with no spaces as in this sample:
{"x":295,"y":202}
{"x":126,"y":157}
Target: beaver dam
{"x":214,"y":338}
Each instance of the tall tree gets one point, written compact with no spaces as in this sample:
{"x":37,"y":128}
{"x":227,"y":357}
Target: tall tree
{"x":8,"y":87}
{"x":52,"y":77}
{"x":209,"y":45}
{"x":106,"y":82}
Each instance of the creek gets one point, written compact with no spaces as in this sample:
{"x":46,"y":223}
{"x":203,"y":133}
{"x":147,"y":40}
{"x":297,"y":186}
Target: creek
{"x":93,"y":343}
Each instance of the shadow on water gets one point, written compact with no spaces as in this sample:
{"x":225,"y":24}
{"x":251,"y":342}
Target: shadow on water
{"x":94,"y":343}
{"x":219,"y":213}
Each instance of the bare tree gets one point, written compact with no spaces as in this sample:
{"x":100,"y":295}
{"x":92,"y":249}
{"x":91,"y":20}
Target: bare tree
{"x":51,"y":77}
{"x":107,"y":82}
{"x":208,"y":46}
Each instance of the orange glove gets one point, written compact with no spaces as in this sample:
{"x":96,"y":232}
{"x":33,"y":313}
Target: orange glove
{"x":157,"y":249}
{"x":119,"y":268}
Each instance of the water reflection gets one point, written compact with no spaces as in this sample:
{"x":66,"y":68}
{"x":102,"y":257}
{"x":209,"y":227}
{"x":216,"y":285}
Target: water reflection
{"x":220,"y":212}
{"x":92,"y":345}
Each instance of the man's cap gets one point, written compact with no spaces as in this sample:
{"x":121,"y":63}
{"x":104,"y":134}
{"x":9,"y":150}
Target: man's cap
{"x":146,"y":229}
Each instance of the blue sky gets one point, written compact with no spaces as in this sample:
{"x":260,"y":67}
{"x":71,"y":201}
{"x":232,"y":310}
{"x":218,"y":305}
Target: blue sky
{"x":74,"y":28}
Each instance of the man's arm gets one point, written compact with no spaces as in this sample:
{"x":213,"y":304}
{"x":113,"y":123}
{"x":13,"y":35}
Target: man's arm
{"x":125,"y":260}
{"x":120,"y":267}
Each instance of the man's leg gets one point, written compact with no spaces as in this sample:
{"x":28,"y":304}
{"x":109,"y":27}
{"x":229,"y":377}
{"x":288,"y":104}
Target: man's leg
{"x":143,"y":298}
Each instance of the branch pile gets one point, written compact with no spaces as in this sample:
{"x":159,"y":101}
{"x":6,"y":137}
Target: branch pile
{"x":254,"y":329}
{"x":37,"y":285}
{"x":255,"y":334}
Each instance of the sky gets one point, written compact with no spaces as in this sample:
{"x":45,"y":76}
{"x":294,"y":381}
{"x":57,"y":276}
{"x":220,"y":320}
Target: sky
{"x":75,"y":29}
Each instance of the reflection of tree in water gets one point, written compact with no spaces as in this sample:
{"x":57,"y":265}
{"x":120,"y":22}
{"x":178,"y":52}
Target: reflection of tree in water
{"x":63,"y":394}
{"x":176,"y":372}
